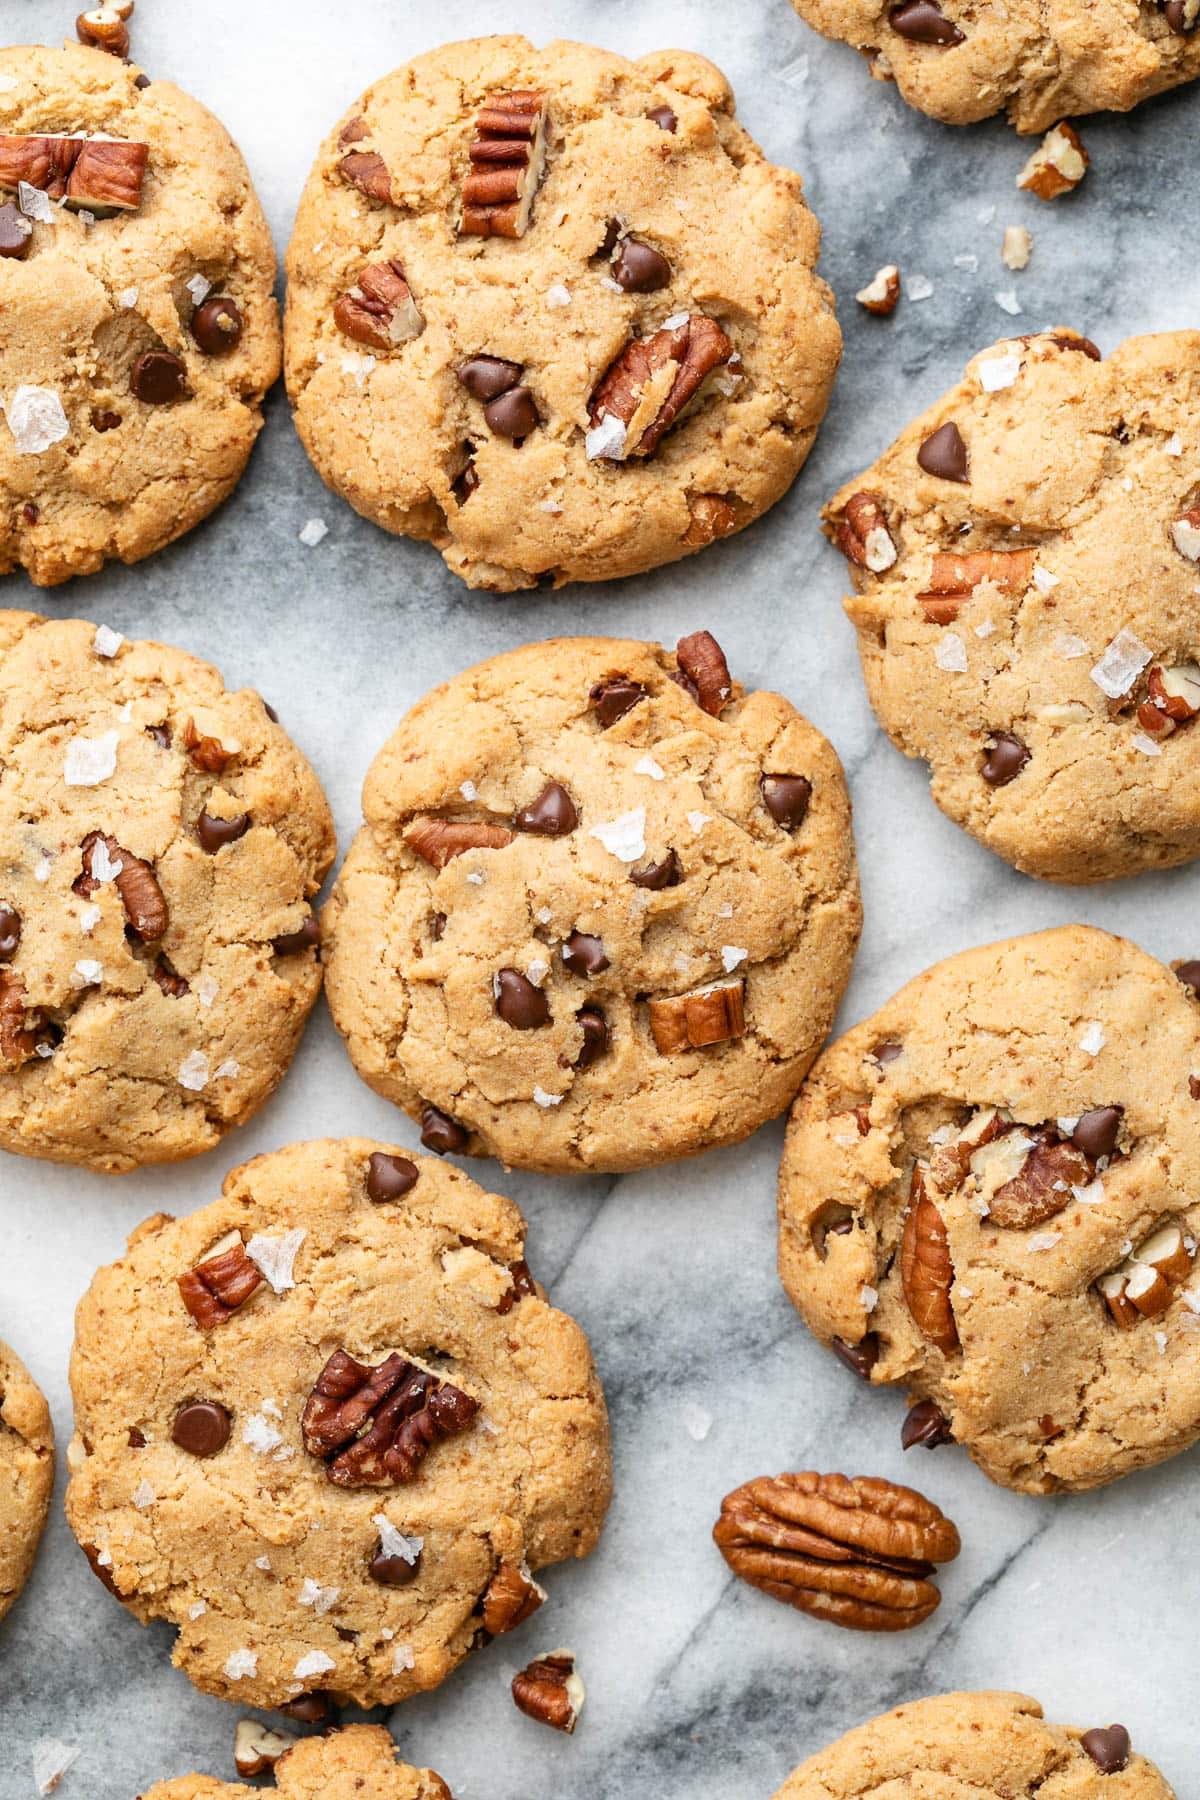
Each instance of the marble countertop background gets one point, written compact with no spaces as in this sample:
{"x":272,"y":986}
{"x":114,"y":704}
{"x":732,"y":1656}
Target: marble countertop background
{"x":699,"y":1687}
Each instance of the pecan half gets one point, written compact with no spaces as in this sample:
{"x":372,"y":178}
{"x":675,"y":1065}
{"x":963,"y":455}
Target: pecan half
{"x":926,"y":1271}
{"x":954,"y":578}
{"x":512,"y":1597}
{"x":863,"y":536}
{"x":216,"y":1287}
{"x":1145,"y":1283}
{"x":650,"y":384}
{"x":102,"y":174}
{"x":508,"y":157}
{"x":135,"y":881}
{"x":22,"y":1031}
{"x":379,"y":309}
{"x":703,"y":671}
{"x":693,"y":1021}
{"x":258,"y":1747}
{"x":381,"y":1422}
{"x":439,"y":841}
{"x":857,"y":1553}
{"x":550,"y":1690}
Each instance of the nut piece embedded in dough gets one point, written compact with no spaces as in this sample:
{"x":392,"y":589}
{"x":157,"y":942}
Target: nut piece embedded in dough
{"x":135,"y":881}
{"x":703,"y":672}
{"x":439,"y":841}
{"x":1145,"y":1283}
{"x":863,"y":536}
{"x":1185,"y":534}
{"x":23,"y":1032}
{"x":1058,"y":165}
{"x":512,"y":1597}
{"x":375,"y":1426}
{"x":651,"y":383}
{"x":379,"y":309}
{"x":882,"y":294}
{"x":216,"y":1287}
{"x":926,"y":1271}
{"x":693,"y":1021}
{"x":507,"y":154}
{"x":257,"y":1748}
{"x":103,"y":175}
{"x":954,"y":577}
{"x":550,"y":1690}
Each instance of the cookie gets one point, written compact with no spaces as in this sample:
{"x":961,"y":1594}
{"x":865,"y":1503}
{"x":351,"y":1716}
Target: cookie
{"x":328,"y":1426}
{"x":1026,"y":557}
{"x":602,"y":910}
{"x":960,"y":1746}
{"x":555,"y":312}
{"x":26,"y":1473}
{"x":160,"y":839}
{"x":361,"y":1759}
{"x":141,"y":334}
{"x":989,"y":1195}
{"x":959,"y":63}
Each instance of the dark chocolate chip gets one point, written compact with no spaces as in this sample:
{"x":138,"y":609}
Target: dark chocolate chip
{"x":310,"y":1709}
{"x":441,"y":1133}
{"x":786,"y":798}
{"x":437,"y":927}
{"x":487,"y":377}
{"x":135,"y":1438}
{"x":31,"y":512}
{"x":924,"y":22}
{"x":389,"y":1177}
{"x":519,"y":1003}
{"x":595,"y":1036}
{"x":944,"y":454}
{"x":887,"y":1051}
{"x":1004,"y":760}
{"x":665,"y":874}
{"x":663,"y":117}
{"x":161,"y":735}
{"x":552,"y":814}
{"x":465,"y":484}
{"x":859,"y":1358}
{"x":393,"y":1571}
{"x":514,"y":414}
{"x":584,"y":954}
{"x":1189,"y":974}
{"x":1175,"y":14}
{"x":201,"y":1428}
{"x":158,"y":377}
{"x":608,"y":243}
{"x":10,"y":932}
{"x":640,"y":268}
{"x":103,"y":419}
{"x":292,"y":943}
{"x":270,"y":711}
{"x":16,"y":232}
{"x":217,"y":325}
{"x":1077,"y":343}
{"x":1108,"y":1747}
{"x":927,"y":1425}
{"x":100,"y":1570}
{"x":1097,"y":1131}
{"x":611,"y":700}
{"x":214,"y":833}
{"x":141,"y":81}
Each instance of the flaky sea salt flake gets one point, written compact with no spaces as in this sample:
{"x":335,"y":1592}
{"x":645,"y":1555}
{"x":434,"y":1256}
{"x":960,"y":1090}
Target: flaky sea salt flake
{"x":951,"y":654}
{"x":646,"y":765}
{"x":1121,"y":664}
{"x":107,"y":642}
{"x":275,"y":1257}
{"x":999,"y":372}
{"x":625,"y":836}
{"x":1044,"y":580}
{"x":731,"y":956}
{"x":1093,"y":1038}
{"x":240,"y":1664}
{"x":1141,"y":741}
{"x":558,"y":295}
{"x":51,"y":1760}
{"x":312,"y":531}
{"x":697,"y":1422}
{"x":193,"y":1071}
{"x":605,"y":442}
{"x":394,"y":1543}
{"x":36,"y":419}
{"x":314,"y":1662}
{"x":545,"y":1099}
{"x":34,"y":203}
{"x":1007,"y":301}
{"x":919,"y":287}
{"x":321,"y":1599}
{"x":89,"y":761}
{"x":199,"y":288}
{"x":143,"y":1495}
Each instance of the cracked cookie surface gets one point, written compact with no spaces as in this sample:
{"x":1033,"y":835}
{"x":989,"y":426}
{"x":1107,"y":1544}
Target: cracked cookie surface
{"x":290,"y":1554}
{"x":1027,"y":560}
{"x":988,"y":1196}
{"x":595,"y":919}
{"x":360,"y":1759}
{"x":1039,"y":60}
{"x":651,"y":205}
{"x":26,"y":1473}
{"x":963,"y":1746}
{"x":160,"y":840}
{"x":89,"y":471}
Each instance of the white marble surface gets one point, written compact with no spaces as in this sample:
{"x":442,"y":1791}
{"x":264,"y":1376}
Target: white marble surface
{"x":699,"y":1688}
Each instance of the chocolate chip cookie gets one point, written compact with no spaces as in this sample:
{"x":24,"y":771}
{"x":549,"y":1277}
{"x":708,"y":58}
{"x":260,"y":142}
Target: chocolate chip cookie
{"x":361,"y":1759}
{"x":160,"y":841}
{"x":555,"y":312}
{"x":602,"y":910}
{"x":1026,"y":557}
{"x":961,"y":62}
{"x":136,"y":272}
{"x":959,"y":1746}
{"x":329,"y":1425}
{"x":26,"y":1473}
{"x":989,"y":1195}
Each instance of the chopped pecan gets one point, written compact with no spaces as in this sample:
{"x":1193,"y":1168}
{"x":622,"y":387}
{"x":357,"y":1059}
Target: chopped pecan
{"x":206,"y":752}
{"x":703,"y":671}
{"x":1042,"y":1185}
{"x":954,"y":578}
{"x":379,"y":309}
{"x":42,"y":162}
{"x":439,"y":841}
{"x":882,"y":293}
{"x":375,"y":1426}
{"x":507,"y":155}
{"x":1185,"y":533}
{"x":523,"y":1285}
{"x":134,"y":880}
{"x":102,"y":174}
{"x":858,"y":1553}
{"x":363,"y":169}
{"x":23,"y":1032}
{"x":863,"y":536}
{"x":512,"y":1597}
{"x":216,"y":1287}
{"x":651,"y":383}
{"x":1059,"y":164}
{"x":926,"y":1271}
{"x":693,"y":1021}
{"x":550,"y":1690}
{"x":258,"y":1747}
{"x":104,"y":28}
{"x":10,"y":932}
{"x":711,"y":517}
{"x":172,"y":983}
{"x":1144,"y":1285}
{"x":1173,"y":698}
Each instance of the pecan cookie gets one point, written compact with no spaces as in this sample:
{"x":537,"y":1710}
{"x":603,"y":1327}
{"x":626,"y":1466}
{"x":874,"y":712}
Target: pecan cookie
{"x":361,"y":1759}
{"x":961,"y":62}
{"x":602,"y":911}
{"x":329,"y":1424}
{"x":160,"y":839}
{"x":1027,"y":564}
{"x":989,"y":1195}
{"x":555,"y":312}
{"x":962,"y":1746}
{"x":26,"y":1473}
{"x":140,"y":330}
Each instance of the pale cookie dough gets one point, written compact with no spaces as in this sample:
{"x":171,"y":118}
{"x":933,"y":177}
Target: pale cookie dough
{"x":211,"y":1486}
{"x":160,"y":842}
{"x":1027,"y":560}
{"x":88,"y":469}
{"x":358,"y":1763}
{"x":572,"y":932}
{"x":1037,"y":59}
{"x":651,"y":207}
{"x":990,"y":1195}
{"x":26,"y":1473}
{"x":966,"y":1746}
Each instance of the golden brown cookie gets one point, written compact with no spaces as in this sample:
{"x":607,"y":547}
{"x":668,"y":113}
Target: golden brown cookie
{"x":356,"y":1763}
{"x":555,"y":312}
{"x":160,"y":842}
{"x":26,"y":1473}
{"x":328,"y":1426}
{"x":141,"y":334}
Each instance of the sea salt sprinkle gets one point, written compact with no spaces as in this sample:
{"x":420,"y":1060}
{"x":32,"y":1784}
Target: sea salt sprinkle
{"x":951,"y":653}
{"x":998,"y":372}
{"x":107,"y":642}
{"x":314,"y":1663}
{"x":34,"y":203}
{"x":51,"y":1760}
{"x":919,"y":287}
{"x":606,"y":440}
{"x":1121,"y":664}
{"x":625,"y":836}
{"x":312,"y":531}
{"x":259,"y":1434}
{"x":193,"y":1071}
{"x":36,"y":419}
{"x":275,"y":1257}
{"x":731,"y":956}
{"x":393,"y":1542}
{"x":241,"y":1664}
{"x":697,"y":1422}
{"x":89,"y":761}
{"x":321,"y":1599}
{"x":646,"y":765}
{"x":199,"y":288}
{"x":1093,"y":1038}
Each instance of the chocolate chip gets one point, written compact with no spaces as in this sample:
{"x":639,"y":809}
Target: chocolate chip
{"x":141,"y":81}
{"x":786,"y":798}
{"x":292,"y":943}
{"x":663,"y":117}
{"x":944,"y":453}
{"x":1004,"y":760}
{"x":487,"y":377}
{"x":389,"y":1177}
{"x":584,"y":954}
{"x":201,"y":1428}
{"x":1108,"y":1747}
{"x":310,"y":1709}
{"x":31,"y":512}
{"x":923,"y":22}
{"x":214,"y":833}
{"x":16,"y":233}
{"x":437,"y":927}
{"x":639,"y":268}
{"x":595,"y":1036}
{"x":887,"y":1051}
{"x":1175,"y":14}
{"x":519,"y":1003}
{"x":441,"y":1133}
{"x":270,"y":711}
{"x":611,"y":700}
{"x":1097,"y":1131}
{"x":859,"y":1358}
{"x":665,"y":874}
{"x":10,"y":932}
{"x":217,"y":325}
{"x":927,"y":1425}
{"x":465,"y":484}
{"x":1077,"y":343}
{"x":1189,"y":974}
{"x":100,"y":1570}
{"x":158,"y":377}
{"x":102,"y":419}
{"x":552,"y":814}
{"x":514,"y":414}
{"x":135,"y":1438}
{"x":393,"y":1571}
{"x":161,"y":735}
{"x":608,"y":243}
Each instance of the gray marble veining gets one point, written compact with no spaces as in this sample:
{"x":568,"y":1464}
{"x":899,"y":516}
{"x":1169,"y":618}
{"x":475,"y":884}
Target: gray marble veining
{"x":699,"y":1688}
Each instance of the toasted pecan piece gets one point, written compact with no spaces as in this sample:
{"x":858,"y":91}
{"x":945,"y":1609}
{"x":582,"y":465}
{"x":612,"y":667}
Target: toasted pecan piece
{"x":439,"y":841}
{"x":694,"y":1021}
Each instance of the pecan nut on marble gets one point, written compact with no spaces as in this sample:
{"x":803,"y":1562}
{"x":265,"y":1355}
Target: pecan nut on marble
{"x":550,"y":1690}
{"x":373,"y":1427}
